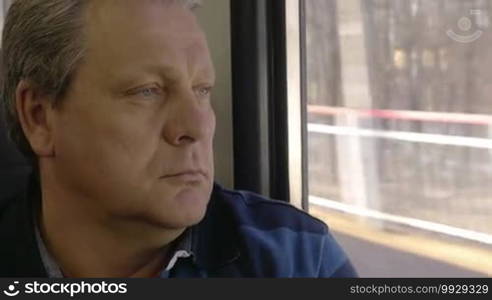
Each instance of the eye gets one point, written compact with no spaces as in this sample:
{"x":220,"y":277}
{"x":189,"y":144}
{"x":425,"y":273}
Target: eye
{"x":203,"y":92}
{"x":148,"y":92}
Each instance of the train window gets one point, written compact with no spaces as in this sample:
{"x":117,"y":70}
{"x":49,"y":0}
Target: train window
{"x":398,"y":130}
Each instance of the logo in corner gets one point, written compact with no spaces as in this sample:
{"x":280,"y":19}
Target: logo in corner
{"x":11,"y":291}
{"x":465,"y":25}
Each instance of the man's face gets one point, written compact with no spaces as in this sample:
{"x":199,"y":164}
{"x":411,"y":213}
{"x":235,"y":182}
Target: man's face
{"x":134,"y":136}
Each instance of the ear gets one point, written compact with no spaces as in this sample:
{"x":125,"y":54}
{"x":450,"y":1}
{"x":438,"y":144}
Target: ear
{"x":35,"y":114}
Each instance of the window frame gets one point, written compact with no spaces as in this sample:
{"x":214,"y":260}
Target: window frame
{"x":263,"y":131}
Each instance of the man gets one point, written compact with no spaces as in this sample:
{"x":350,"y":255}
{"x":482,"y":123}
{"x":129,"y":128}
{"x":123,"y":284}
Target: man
{"x":110,"y":100}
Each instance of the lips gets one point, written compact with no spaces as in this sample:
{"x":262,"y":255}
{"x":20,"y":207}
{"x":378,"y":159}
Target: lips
{"x":187,"y":176}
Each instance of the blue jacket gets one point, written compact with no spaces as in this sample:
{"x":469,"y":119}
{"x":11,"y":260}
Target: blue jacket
{"x":241,"y":235}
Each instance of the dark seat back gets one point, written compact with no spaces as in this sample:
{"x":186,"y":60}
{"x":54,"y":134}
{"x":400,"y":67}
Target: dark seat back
{"x":14,"y":169}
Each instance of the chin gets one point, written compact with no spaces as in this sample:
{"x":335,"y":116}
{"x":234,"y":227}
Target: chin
{"x":179,"y":220}
{"x":186,"y":208}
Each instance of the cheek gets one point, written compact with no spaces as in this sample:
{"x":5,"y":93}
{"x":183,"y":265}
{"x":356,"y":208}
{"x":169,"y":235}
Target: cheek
{"x":129,"y":144}
{"x":104,"y":140}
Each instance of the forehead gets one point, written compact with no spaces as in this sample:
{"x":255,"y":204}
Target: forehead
{"x":141,"y":13}
{"x":145,"y":32}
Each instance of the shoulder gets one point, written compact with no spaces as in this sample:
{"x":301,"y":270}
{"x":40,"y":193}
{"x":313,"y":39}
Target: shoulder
{"x":253,"y":210}
{"x":282,"y":240}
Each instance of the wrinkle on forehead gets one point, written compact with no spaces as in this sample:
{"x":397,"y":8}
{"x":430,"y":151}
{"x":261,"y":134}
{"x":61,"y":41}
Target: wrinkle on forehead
{"x":129,"y":32}
{"x":104,"y":14}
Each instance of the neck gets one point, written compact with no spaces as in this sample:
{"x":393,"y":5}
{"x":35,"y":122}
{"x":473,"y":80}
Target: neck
{"x":85,"y":243}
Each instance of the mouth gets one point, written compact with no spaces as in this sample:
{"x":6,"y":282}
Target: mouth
{"x":191,"y":176}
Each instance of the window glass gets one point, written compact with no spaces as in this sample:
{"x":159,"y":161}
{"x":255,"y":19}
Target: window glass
{"x":399,"y":128}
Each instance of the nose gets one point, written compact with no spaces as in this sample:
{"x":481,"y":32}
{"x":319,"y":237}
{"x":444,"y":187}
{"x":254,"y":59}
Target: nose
{"x":190,"y":120}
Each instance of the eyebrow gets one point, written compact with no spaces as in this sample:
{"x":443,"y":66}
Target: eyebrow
{"x":167,"y":71}
{"x":171,"y":73}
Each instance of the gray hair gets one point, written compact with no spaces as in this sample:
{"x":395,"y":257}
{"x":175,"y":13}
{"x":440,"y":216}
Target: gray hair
{"x":43,"y":43}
